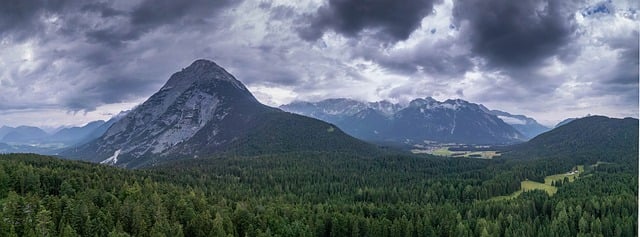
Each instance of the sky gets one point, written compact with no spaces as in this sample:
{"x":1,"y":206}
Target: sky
{"x":68,"y":62}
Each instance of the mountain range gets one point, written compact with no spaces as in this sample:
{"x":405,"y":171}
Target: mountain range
{"x":21,"y":134}
{"x":29,"y":139}
{"x":450,"y":121}
{"x":203,"y":110}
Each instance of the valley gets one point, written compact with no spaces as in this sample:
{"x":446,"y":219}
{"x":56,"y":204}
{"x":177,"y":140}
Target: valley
{"x":457,"y":151}
{"x":319,"y":118}
{"x":203,"y":157}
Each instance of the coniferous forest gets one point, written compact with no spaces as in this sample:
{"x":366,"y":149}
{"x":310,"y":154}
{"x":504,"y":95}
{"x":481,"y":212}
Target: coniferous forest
{"x":315,"y":194}
{"x":321,"y":118}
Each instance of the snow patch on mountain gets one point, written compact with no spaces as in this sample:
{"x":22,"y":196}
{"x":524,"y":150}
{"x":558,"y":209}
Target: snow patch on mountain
{"x":512,"y":120}
{"x":113,"y":159}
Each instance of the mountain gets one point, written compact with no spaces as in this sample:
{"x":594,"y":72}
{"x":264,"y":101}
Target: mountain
{"x":100,"y":130}
{"x":529,"y":127}
{"x":359,"y":119}
{"x":4,"y":130}
{"x":593,"y":138}
{"x":22,"y":134}
{"x":203,"y":110}
{"x":73,"y":135}
{"x":451,"y":121}
{"x":563,"y":122}
{"x":25,"y":139}
{"x":455,"y":121}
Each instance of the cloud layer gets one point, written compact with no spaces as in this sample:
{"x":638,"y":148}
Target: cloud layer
{"x":386,"y":20}
{"x":544,"y":58}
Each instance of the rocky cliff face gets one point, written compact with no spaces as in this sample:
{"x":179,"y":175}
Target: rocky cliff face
{"x":200,"y":111}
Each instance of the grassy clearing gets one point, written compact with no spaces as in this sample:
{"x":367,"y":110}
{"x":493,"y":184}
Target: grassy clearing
{"x":528,"y":185}
{"x":601,"y":163}
{"x":507,"y":197}
{"x":479,"y":154}
{"x":531,"y":185}
{"x":444,"y":151}
{"x":572,"y":176}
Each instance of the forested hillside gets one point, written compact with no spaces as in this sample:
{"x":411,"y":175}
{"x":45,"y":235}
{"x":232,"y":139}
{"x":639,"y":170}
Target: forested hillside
{"x":589,"y":139}
{"x":310,"y":194}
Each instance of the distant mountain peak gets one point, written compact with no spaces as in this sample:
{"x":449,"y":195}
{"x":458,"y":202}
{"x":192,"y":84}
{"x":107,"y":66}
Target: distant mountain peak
{"x":525,"y":125}
{"x":203,"y":63}
{"x":429,"y":103}
{"x":453,"y":120}
{"x":419,"y":102}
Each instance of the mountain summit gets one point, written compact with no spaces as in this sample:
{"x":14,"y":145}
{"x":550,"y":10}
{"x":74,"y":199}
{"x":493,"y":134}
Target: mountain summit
{"x":203,"y":110}
{"x":423,"y":119}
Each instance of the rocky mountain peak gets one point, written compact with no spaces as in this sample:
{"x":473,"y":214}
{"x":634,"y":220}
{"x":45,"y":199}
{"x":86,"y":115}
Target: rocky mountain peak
{"x":203,"y":73}
{"x":419,"y":102}
{"x":203,"y":110}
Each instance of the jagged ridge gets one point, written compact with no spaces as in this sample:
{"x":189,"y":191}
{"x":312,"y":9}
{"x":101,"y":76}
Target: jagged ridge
{"x":422,"y":119}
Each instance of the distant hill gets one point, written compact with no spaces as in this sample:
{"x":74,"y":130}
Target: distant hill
{"x":74,"y":135}
{"x":22,"y":134}
{"x":29,"y":139}
{"x":100,"y":130}
{"x":566,"y":121}
{"x":592,"y":139}
{"x":203,"y":110}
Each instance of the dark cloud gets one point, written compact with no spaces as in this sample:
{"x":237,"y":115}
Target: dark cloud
{"x":94,"y":41}
{"x":20,"y":19}
{"x":391,"y":21}
{"x":101,"y":22}
{"x":82,"y":55}
{"x":151,"y":14}
{"x":438,"y":58}
{"x":628,"y":58}
{"x":623,"y":81}
{"x":108,"y":90}
{"x":103,"y":8}
{"x":112,"y":36}
{"x":515,"y":33}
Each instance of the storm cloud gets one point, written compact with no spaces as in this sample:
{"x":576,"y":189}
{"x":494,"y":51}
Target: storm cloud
{"x":389,"y":21}
{"x":548,"y":59}
{"x":149,"y":15}
{"x":22,"y":19}
{"x":515,"y":33}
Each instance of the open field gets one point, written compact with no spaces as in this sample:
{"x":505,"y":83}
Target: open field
{"x":476,"y":154}
{"x":571,"y":176}
{"x":601,"y":163}
{"x":531,"y":185}
{"x":528,"y":185}
{"x":507,"y":197}
{"x":444,"y":151}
